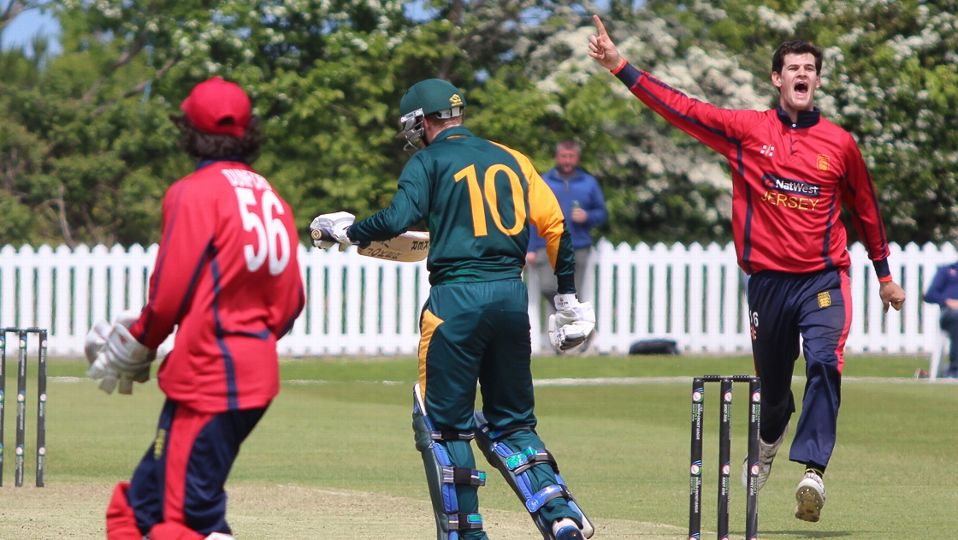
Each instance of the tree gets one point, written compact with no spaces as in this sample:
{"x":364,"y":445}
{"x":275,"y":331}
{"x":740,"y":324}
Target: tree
{"x":86,"y":149}
{"x":890,"y":75}
{"x":326,"y":77}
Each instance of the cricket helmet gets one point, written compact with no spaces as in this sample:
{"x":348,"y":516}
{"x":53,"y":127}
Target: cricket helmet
{"x":434,"y":97}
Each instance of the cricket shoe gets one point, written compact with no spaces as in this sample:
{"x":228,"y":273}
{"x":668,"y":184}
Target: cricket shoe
{"x":566,"y":529}
{"x":810,"y":497}
{"x":766,"y":455}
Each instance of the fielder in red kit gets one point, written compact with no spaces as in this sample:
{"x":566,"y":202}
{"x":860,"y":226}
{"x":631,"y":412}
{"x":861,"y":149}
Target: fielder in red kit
{"x":227,"y":279}
{"x":792,"y":171}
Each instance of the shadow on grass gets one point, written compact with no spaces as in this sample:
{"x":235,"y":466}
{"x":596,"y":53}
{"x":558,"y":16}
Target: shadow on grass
{"x":812,"y":534}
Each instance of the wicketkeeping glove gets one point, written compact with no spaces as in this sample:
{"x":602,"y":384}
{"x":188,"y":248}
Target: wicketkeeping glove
{"x":331,"y":226}
{"x":572,"y":323}
{"x":116,"y":357}
{"x":96,"y":340}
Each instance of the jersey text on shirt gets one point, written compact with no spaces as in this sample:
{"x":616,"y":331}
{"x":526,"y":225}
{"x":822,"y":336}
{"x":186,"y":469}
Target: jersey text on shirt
{"x":246,"y":179}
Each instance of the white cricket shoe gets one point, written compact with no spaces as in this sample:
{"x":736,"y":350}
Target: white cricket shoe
{"x":810,"y":497}
{"x":766,"y":455}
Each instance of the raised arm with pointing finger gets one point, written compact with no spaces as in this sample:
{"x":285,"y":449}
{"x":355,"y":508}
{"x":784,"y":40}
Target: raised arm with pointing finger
{"x":601,"y":47}
{"x":792,"y":171}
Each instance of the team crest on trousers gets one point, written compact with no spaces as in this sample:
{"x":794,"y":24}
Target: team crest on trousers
{"x":824,"y":299}
{"x":159,"y":443}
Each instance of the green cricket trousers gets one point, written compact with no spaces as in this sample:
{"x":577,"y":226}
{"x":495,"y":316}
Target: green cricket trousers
{"x":479,"y":331}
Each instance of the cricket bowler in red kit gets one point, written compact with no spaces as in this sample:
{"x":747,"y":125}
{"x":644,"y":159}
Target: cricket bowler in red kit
{"x":792,"y":173}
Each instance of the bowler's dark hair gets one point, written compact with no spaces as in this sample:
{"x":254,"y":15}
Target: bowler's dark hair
{"x":795,"y":46}
{"x":204,"y":145}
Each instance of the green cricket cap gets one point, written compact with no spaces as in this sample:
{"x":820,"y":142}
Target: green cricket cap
{"x":431,"y":95}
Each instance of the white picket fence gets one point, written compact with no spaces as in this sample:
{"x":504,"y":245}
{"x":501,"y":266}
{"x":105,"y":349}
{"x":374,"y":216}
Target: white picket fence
{"x":362,"y":306}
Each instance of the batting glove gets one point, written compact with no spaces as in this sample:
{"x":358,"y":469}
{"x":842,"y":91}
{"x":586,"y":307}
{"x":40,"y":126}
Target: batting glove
{"x":572,"y":323}
{"x":327,"y":230}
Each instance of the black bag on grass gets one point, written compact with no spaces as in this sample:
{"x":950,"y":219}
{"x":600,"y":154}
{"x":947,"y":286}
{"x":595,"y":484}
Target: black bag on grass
{"x":654,"y":346}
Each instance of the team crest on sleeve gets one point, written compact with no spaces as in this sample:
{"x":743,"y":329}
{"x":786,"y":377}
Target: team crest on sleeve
{"x":822,"y":162}
{"x":824,"y":299}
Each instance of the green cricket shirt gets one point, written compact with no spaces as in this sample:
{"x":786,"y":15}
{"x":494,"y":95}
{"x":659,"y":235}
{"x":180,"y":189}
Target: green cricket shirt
{"x":477,"y":198}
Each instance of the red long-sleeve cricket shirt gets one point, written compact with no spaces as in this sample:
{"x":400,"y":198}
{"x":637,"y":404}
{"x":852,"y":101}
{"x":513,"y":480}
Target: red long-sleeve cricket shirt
{"x":227,"y":277}
{"x":789,"y":180}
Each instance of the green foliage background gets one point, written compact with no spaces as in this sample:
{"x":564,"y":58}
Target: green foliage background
{"x":86,"y":148}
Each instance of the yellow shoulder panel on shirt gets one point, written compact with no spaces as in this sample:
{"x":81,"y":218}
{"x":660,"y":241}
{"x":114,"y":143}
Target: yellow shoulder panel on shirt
{"x":544,"y":210}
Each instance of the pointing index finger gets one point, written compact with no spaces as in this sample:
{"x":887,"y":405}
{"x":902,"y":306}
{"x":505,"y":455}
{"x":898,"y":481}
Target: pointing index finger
{"x":599,"y":26}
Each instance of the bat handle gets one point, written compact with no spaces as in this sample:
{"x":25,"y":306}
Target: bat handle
{"x":322,"y":234}
{"x":327,"y":236}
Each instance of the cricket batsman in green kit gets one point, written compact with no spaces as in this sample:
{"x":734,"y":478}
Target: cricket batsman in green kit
{"x":477,"y":198}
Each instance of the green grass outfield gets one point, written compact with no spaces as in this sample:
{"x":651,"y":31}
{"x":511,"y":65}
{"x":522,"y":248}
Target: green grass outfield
{"x":334,"y":455}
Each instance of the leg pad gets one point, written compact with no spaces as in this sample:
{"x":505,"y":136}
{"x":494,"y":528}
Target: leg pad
{"x":515,"y":466}
{"x":442,"y":475}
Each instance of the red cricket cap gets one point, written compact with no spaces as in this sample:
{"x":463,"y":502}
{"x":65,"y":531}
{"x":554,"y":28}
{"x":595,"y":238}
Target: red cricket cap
{"x":219,"y":107}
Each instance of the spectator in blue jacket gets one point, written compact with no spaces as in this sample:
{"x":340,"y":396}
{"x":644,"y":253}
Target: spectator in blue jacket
{"x":582,"y":205}
{"x":944,"y":292}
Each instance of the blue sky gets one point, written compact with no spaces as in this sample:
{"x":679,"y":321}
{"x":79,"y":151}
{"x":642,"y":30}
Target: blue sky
{"x":20,"y":32}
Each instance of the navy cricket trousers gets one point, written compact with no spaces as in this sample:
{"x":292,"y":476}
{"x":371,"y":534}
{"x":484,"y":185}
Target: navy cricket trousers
{"x":813,"y":310}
